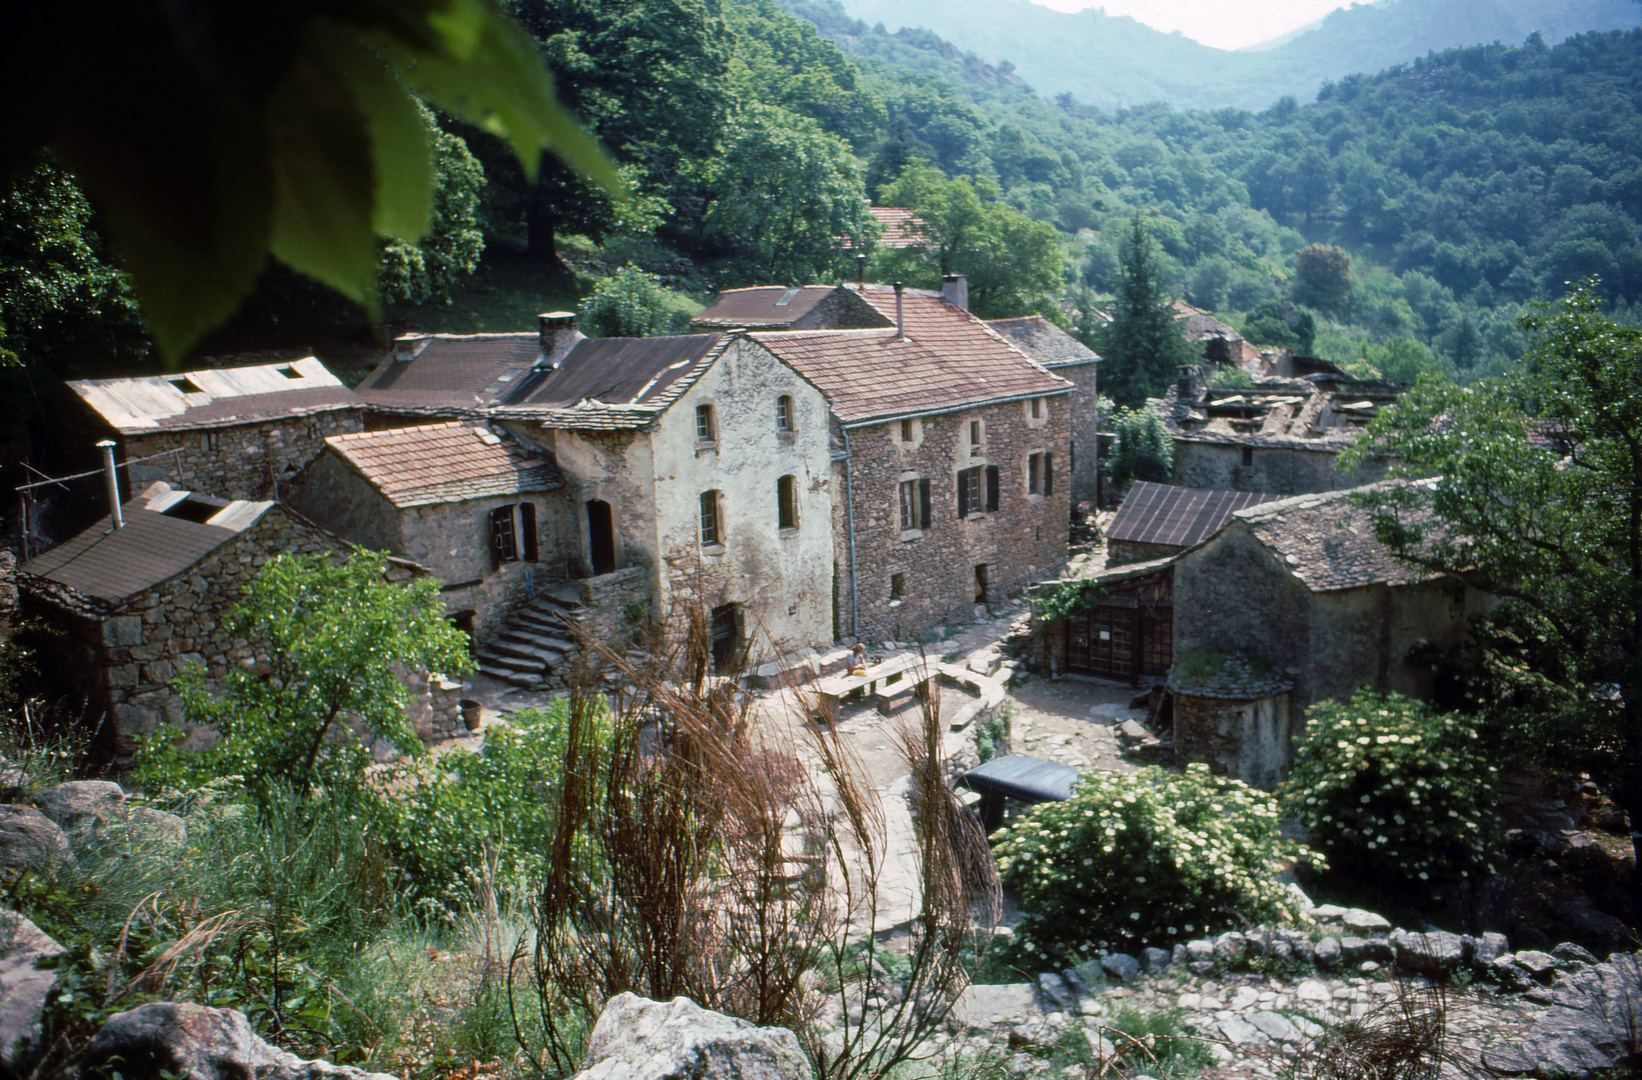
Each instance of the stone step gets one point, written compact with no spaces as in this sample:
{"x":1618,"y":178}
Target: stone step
{"x":491,"y":659}
{"x":524,"y":682}
{"x":524,"y":635}
{"x":532,"y":654}
{"x":539,"y":619}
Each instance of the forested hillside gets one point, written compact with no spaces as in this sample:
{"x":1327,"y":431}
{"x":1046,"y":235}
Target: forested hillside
{"x":1112,"y":61}
{"x":1431,"y":201}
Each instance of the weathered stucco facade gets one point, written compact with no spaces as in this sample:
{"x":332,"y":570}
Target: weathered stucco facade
{"x":907,"y":582}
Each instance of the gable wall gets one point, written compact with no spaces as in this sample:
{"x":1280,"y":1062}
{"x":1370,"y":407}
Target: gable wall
{"x":247,"y":461}
{"x":841,"y":310}
{"x":1275,"y":471}
{"x":782,"y":578}
{"x":1023,"y":540}
{"x":1082,"y":431}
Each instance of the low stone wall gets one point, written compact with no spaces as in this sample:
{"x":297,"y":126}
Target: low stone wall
{"x":610,"y":603}
{"x":1249,"y":739}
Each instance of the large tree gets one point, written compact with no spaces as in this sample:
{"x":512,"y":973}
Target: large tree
{"x":1141,"y":344}
{"x":1015,"y":266}
{"x":1537,"y":500}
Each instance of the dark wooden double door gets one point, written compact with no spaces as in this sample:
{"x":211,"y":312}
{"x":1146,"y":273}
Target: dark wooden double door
{"x":1123,"y":639}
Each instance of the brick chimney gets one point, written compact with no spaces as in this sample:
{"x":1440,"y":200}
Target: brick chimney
{"x":558,"y":335}
{"x":955,"y":291}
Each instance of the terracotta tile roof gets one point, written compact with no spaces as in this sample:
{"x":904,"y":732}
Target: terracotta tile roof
{"x":899,"y":229}
{"x":1328,"y":543}
{"x":439,"y":463}
{"x":216,"y":397}
{"x":1180,"y":516}
{"x":1044,"y":342}
{"x":765,"y":307}
{"x":450,"y":371}
{"x":948,"y":361}
{"x":110,"y":565}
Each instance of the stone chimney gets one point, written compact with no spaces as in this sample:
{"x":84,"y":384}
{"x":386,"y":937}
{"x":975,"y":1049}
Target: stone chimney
{"x":955,"y":291}
{"x":558,"y":335}
{"x":1192,"y":385}
{"x":900,"y":314}
{"x":408,"y":346}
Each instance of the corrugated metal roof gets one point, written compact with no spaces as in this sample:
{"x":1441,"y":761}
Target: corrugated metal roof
{"x":440,"y":463}
{"x":156,"y":544}
{"x":217,"y":397}
{"x":1178,"y":516}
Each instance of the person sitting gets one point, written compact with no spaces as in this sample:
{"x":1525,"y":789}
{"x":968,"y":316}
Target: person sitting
{"x":858,"y":659}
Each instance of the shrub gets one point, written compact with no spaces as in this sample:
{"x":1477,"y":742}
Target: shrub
{"x":1145,"y":450}
{"x":1145,"y":858}
{"x":1395,"y":791}
{"x":628,"y":303}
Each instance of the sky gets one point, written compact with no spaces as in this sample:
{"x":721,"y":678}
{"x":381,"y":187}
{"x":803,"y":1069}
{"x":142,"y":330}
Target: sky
{"x":1224,"y":24}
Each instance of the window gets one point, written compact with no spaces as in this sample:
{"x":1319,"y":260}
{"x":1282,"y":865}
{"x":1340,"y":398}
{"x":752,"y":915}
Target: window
{"x":970,"y":490}
{"x":706,"y":426}
{"x":783,"y":413}
{"x":709,"y":518}
{"x":1040,"y":475}
{"x":503,"y":547}
{"x":897,"y":586}
{"x":1037,"y":408}
{"x":906,"y":430}
{"x":914,"y":504}
{"x":1248,"y":456}
{"x":974,"y":437}
{"x":786,"y":493}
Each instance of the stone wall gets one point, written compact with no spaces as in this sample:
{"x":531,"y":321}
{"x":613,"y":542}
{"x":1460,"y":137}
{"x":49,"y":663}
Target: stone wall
{"x":1249,"y":739}
{"x":1273,"y":470}
{"x":1120,"y":552}
{"x":841,"y":310}
{"x":246,"y":461}
{"x":1083,"y":453}
{"x":615,"y":606}
{"x":1024,"y":540}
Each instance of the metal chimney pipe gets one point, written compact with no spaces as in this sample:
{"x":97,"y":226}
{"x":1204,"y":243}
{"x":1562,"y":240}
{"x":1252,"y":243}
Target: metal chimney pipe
{"x":107,"y":447}
{"x":861,"y":271}
{"x":900,"y":315}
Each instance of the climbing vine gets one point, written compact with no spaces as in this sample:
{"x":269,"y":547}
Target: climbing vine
{"x":1067,"y":597}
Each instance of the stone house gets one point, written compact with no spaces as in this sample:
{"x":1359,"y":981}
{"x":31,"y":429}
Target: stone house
{"x":1159,"y":520}
{"x":483,"y":512}
{"x":1282,"y":437}
{"x":1124,"y":630}
{"x":241,"y":431}
{"x":136,"y":601}
{"x":1075,"y":362}
{"x":1302,"y":588}
{"x":948,"y":450}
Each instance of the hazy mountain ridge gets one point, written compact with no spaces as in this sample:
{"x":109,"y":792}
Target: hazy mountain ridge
{"x":1114,"y":61}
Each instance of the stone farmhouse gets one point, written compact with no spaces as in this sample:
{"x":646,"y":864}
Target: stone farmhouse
{"x":948,"y":450}
{"x":238,"y":432}
{"x":140,"y":594}
{"x":1075,"y":362}
{"x":477,"y":509}
{"x":1282,"y":437}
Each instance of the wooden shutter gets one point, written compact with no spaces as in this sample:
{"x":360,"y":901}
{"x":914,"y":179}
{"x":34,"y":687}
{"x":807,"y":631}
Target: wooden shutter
{"x":963,"y":493}
{"x":1048,"y":475}
{"x":993,"y":484}
{"x":923,"y":504}
{"x":502,"y":547}
{"x":527,"y":520}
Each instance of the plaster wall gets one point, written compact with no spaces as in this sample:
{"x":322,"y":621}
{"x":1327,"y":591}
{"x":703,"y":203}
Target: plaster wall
{"x":1274,"y":470}
{"x":782,"y":578}
{"x":615,"y":467}
{"x":1023,"y":540}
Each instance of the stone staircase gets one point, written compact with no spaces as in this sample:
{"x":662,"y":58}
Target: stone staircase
{"x":536,"y":648}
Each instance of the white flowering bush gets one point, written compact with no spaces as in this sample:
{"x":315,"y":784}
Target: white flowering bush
{"x":1147,"y":858}
{"x":1394,"y":793}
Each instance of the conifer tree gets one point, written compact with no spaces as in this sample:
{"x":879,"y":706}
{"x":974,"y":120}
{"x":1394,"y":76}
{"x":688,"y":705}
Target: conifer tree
{"x":1142,"y":345}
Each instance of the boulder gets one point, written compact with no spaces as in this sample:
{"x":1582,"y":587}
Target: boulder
{"x":31,"y":841}
{"x":1360,"y":922}
{"x":639,"y":1039}
{"x":1056,"y":993}
{"x":1573,"y":953}
{"x":1537,"y":965}
{"x":198,"y":1043}
{"x":1490,"y":946}
{"x":23,"y":986}
{"x":1230,"y":947}
{"x":1356,"y":950}
{"x":1328,"y":952}
{"x":1153,"y":960}
{"x":87,"y":810}
{"x":1121,"y":966}
{"x":1432,"y":952}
